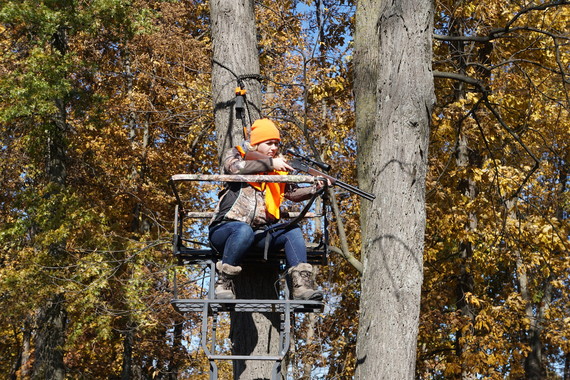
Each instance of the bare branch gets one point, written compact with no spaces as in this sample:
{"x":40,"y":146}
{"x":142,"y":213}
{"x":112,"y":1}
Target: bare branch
{"x":348,"y":257}
{"x":500,"y":32}
{"x":461,"y":78}
{"x":518,"y":139}
{"x":562,"y":73}
{"x":344,"y":251}
{"x":541,"y":31}
{"x":514,"y":61}
{"x":537,"y":88}
{"x":487,"y":145}
{"x":540,"y":7}
{"x":471,"y":112}
{"x":441,"y":37}
{"x":495,"y":113}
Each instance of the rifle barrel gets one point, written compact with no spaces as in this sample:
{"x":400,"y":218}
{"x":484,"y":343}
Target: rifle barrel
{"x":314,"y":172}
{"x":355,"y":190}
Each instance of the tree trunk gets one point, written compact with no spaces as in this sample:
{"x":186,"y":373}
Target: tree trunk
{"x":235,"y":63}
{"x":51,"y":320}
{"x":366,"y":66}
{"x":173,"y":364}
{"x":465,"y":282}
{"x":567,"y":367}
{"x":255,"y":333}
{"x":50,"y":340}
{"x":235,"y":57}
{"x":533,"y":364}
{"x":128,"y":342}
{"x":22,"y":363}
{"x":393,"y":148}
{"x":311,"y":323}
{"x":535,"y":311}
{"x":560,"y":214}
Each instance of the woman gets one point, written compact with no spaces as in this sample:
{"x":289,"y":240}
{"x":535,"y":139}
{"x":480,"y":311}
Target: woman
{"x":246,"y":213}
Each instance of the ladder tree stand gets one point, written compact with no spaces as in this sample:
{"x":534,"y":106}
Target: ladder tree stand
{"x":203,"y":256}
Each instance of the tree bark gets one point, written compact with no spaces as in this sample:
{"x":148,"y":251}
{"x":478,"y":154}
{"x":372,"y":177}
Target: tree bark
{"x":22,"y":362}
{"x":52,"y":318}
{"x":393,"y":118}
{"x":173,"y":364}
{"x":236,"y":63}
{"x":366,"y":64}
{"x":567,"y":367}
{"x":465,"y":282}
{"x":467,"y":187}
{"x":254,"y":333}
{"x":235,"y":56}
{"x":532,"y":363}
{"x":50,"y":340}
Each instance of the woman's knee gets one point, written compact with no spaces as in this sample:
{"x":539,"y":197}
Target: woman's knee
{"x":244,"y":233}
{"x":295,"y":233}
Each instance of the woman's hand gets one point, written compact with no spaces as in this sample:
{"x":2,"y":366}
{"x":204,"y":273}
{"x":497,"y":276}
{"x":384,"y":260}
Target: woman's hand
{"x":280,"y":164}
{"x":320,"y":184}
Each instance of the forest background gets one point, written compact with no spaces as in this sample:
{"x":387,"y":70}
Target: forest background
{"x":103,"y":100}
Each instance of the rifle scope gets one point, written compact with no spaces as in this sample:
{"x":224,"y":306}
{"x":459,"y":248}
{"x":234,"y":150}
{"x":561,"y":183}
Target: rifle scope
{"x":322,"y":165}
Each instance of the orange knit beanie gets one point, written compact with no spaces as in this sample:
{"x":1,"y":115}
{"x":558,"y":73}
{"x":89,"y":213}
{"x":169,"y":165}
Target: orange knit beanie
{"x":263,"y":130}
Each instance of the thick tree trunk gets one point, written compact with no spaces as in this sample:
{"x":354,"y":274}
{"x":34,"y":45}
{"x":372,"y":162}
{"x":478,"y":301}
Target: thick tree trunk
{"x":393,"y":162}
{"x":366,"y":65}
{"x":236,"y":58}
{"x":255,"y":333}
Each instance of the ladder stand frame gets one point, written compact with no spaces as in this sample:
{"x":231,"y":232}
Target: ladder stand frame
{"x":207,"y":258}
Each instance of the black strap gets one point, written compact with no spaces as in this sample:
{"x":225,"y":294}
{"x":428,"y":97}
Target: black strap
{"x":289,"y":224}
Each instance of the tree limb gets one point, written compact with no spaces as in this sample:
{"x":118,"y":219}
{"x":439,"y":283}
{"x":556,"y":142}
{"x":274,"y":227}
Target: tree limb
{"x":472,"y":81}
{"x":540,"y":7}
{"x":499,"y":32}
{"x":518,"y":139}
{"x":350,"y":258}
{"x":461,"y":78}
{"x":514,"y":61}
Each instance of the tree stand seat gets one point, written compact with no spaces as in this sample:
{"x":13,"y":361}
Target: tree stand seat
{"x":316,"y":255}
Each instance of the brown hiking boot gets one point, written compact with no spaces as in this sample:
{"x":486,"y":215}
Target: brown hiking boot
{"x":224,"y":289}
{"x":303,"y":283}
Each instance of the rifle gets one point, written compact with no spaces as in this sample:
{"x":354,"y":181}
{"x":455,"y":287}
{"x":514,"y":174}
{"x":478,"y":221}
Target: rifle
{"x":301,"y":163}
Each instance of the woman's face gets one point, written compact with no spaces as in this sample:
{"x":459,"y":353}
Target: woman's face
{"x":269,"y":147}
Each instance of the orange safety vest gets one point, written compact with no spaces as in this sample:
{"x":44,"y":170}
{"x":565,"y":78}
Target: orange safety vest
{"x":273,"y":190}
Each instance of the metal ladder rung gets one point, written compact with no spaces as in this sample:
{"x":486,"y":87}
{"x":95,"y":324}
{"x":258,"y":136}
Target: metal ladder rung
{"x":244,"y":357}
{"x":212,"y":307}
{"x":247,"y":305}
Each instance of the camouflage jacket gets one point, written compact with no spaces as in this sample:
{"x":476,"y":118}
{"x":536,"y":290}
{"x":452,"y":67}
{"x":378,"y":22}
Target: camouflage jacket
{"x":241,"y":202}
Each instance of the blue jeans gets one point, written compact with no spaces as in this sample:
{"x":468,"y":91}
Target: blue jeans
{"x":235,"y":239}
